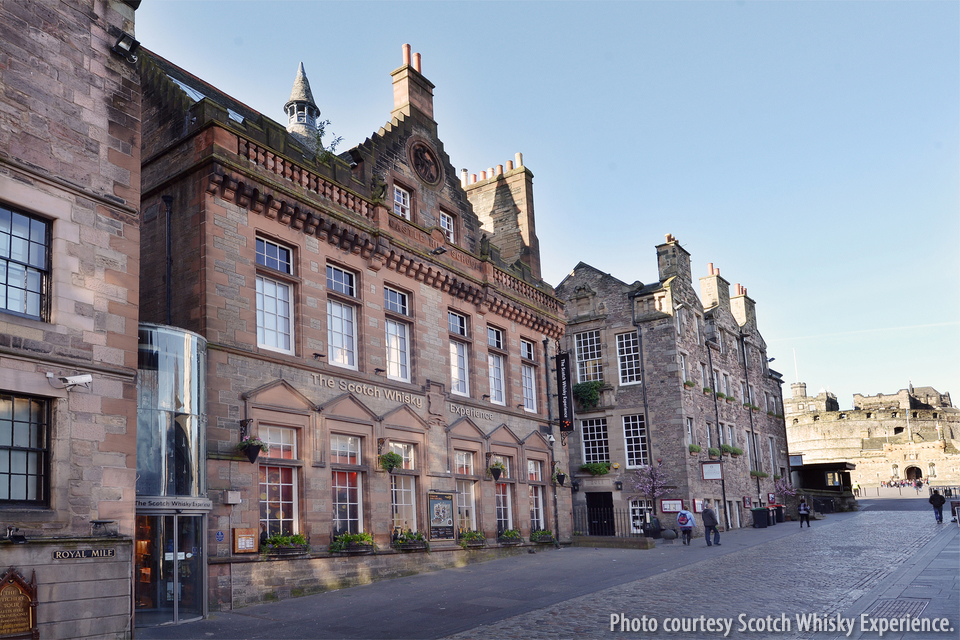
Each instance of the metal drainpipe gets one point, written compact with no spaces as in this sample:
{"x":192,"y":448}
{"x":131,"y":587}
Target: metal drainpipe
{"x":643,"y":386}
{"x":168,"y":202}
{"x":753,"y":434}
{"x":553,"y":462}
{"x":716,"y":415}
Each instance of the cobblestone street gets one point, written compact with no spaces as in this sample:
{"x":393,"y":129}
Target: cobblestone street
{"x":881,"y":563}
{"x":822,"y":570}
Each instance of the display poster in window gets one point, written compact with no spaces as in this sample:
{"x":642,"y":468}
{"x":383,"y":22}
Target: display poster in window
{"x":771,"y":498}
{"x":441,"y":512}
{"x":711,"y":470}
{"x":747,"y":502}
{"x":671,"y":506}
{"x":796,"y":461}
{"x":697,"y":505}
{"x":564,"y":394}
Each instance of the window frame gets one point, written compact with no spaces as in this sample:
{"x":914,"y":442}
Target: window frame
{"x":283,"y":440}
{"x":497,"y":365}
{"x":628,"y":362}
{"x":597,"y":447}
{"x":340,"y":470}
{"x":29,"y":265}
{"x":403,"y":207}
{"x":342,"y":295}
{"x":589,"y":369}
{"x":280,"y":274}
{"x":635,"y":439}
{"x":397,"y":334}
{"x":450,"y":231}
{"x":42,"y":454}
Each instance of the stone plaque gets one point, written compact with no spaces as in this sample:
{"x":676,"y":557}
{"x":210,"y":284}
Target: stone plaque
{"x":18,"y":606}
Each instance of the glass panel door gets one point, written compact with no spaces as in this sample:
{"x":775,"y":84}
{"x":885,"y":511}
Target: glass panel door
{"x":169,"y":569}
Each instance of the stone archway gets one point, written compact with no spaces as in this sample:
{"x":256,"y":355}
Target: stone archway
{"x":913,"y":473}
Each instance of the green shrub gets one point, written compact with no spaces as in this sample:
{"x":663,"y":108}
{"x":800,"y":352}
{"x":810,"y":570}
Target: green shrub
{"x":596,"y":468}
{"x":588,"y":393}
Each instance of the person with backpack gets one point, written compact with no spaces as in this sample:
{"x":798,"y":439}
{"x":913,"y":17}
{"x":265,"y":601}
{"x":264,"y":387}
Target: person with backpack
{"x":937,"y":501}
{"x":686,"y":523}
{"x":803,"y":510}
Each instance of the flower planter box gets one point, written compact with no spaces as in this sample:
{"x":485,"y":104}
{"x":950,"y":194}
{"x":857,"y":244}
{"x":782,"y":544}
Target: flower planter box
{"x":413,"y":545}
{"x":475,"y":544}
{"x":287,"y":552}
{"x":549,"y":540}
{"x":509,"y":542}
{"x":358,"y":549}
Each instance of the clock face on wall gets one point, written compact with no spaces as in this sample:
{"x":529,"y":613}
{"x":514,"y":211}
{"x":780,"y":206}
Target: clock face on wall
{"x":425,"y":163}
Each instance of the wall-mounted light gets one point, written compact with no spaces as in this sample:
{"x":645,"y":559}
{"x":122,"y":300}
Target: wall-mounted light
{"x":485,"y":396}
{"x":520,"y":406}
{"x":317,"y":356}
{"x":126,"y":46}
{"x":439,"y":251}
{"x":379,"y":371}
{"x":770,"y":359}
{"x":618,"y":484}
{"x":380,"y":443}
{"x":575,"y":486}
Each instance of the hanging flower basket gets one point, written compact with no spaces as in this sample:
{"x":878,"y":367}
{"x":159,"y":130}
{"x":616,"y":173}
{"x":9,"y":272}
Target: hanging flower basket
{"x":496,"y":469}
{"x":251,"y":447}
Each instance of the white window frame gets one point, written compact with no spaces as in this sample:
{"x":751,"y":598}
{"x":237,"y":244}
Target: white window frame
{"x":397,"y":334}
{"x":464,"y":462}
{"x":403,"y":502}
{"x":274,"y":314}
{"x":459,"y":368}
{"x":628,"y":358}
{"x":466,"y":505}
{"x":689,"y":435}
{"x":640,"y":508}
{"x":407,"y":452}
{"x":537,"y":510}
{"x":341,"y":334}
{"x":448,"y":224}
{"x":495,"y":367}
{"x":595,"y":441}
{"x":504,"y":506}
{"x":528,"y":379}
{"x":402,"y":202}
{"x":635,"y":441}
{"x":589,"y":350}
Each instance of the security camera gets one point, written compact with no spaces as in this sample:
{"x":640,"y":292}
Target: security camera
{"x":551,"y":439}
{"x":73,"y":381}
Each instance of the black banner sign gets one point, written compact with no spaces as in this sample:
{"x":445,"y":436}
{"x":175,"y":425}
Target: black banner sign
{"x":564,"y":394}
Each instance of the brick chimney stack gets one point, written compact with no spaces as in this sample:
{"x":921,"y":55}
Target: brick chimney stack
{"x":410,"y":88}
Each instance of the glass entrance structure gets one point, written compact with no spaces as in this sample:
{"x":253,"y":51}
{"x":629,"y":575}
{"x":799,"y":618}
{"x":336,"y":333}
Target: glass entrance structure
{"x":170,"y":575}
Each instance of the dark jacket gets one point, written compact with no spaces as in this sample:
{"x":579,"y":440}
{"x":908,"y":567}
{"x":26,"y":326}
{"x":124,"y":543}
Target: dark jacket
{"x":709,"y":518}
{"x":937,"y":500}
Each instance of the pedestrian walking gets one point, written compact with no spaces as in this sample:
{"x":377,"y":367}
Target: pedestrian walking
{"x":937,"y":501}
{"x":803,"y":510}
{"x":710,"y":523}
{"x":856,"y":490}
{"x":686,"y":523}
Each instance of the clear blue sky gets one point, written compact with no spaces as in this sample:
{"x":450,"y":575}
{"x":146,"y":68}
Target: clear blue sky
{"x":810,"y":150}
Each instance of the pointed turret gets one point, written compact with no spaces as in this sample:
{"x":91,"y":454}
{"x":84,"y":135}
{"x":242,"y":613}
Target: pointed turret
{"x":302,"y":112}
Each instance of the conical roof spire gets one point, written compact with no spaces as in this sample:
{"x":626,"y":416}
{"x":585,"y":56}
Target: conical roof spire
{"x":301,"y":89}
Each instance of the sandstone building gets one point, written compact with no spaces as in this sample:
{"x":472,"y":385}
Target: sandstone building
{"x":69,"y":273}
{"x":913,"y":434}
{"x":677,"y":369}
{"x":346,"y":307}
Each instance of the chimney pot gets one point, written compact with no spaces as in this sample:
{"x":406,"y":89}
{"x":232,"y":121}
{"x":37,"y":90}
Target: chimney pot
{"x":509,"y":165}
{"x":416,"y":62}
{"x":709,"y":268}
{"x":406,"y":55}
{"x":518,"y":159}
{"x":473,"y":178}
{"x":499,"y":169}
{"x":483,"y":175}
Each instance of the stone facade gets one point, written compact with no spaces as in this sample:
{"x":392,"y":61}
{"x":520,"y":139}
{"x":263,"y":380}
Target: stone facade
{"x":401,"y":315}
{"x":912,"y":434}
{"x":663,"y":357}
{"x":70,"y":172}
